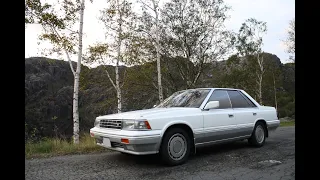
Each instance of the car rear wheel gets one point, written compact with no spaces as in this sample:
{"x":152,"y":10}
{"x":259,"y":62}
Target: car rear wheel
{"x":175,"y":147}
{"x":258,"y":136}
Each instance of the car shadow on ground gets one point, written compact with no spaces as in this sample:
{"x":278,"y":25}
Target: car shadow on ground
{"x":155,"y":160}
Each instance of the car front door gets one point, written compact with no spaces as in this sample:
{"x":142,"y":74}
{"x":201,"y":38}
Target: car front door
{"x":219,"y":123}
{"x":245,"y":112}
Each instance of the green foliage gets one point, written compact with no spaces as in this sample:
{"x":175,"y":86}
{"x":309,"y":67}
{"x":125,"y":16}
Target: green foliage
{"x":140,"y":84}
{"x":57,"y":23}
{"x":250,"y":36}
{"x":286,"y":105}
{"x":55,"y":146}
{"x":288,"y":123}
{"x":195,"y":31}
{"x":120,"y":23}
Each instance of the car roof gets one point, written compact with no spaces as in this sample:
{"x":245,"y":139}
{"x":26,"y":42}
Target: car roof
{"x":212,"y":88}
{"x":220,"y":88}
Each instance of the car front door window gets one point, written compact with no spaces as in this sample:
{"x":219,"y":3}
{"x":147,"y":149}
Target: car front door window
{"x":222,"y":97}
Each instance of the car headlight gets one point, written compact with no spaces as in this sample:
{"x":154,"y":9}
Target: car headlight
{"x":96,"y":122}
{"x":135,"y":125}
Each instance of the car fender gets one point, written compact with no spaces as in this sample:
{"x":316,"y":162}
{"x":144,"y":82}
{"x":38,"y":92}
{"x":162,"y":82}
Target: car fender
{"x":171,"y":123}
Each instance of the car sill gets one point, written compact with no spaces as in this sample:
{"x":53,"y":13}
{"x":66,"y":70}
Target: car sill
{"x":221,"y":141}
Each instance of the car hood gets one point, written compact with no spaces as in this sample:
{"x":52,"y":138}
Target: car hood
{"x":151,"y":113}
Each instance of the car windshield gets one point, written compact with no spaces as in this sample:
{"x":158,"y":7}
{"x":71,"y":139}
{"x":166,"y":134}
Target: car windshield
{"x":185,"y":98}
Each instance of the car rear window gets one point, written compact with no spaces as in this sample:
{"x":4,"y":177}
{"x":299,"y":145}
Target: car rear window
{"x":238,"y":101}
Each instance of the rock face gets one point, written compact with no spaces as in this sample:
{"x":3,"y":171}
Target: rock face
{"x":49,"y":90}
{"x":48,"y":96}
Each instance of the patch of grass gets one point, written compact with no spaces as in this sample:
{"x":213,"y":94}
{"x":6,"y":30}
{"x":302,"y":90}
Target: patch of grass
{"x":54,"y":147}
{"x":287,"y":123}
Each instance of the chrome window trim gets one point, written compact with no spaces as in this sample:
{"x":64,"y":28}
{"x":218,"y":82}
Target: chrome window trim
{"x":229,"y":99}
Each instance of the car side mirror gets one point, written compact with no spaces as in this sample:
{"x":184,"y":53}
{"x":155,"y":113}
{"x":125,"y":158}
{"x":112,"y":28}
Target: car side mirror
{"x":211,"y":105}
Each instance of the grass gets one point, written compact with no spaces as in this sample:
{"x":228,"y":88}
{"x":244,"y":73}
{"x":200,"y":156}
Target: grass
{"x":55,"y":147}
{"x":287,"y":123}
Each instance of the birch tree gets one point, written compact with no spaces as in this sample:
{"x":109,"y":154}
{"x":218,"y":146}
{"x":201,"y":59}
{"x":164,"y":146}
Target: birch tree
{"x":99,"y":54}
{"x":275,"y":92}
{"x":151,"y":28}
{"x":290,"y":41}
{"x":119,"y":21}
{"x":195,"y":31}
{"x":250,"y":44}
{"x":58,"y":29}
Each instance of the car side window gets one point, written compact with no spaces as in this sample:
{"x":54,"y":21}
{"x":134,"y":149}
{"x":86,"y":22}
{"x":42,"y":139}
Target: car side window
{"x":237,"y":100}
{"x":248,"y":100}
{"x":222,"y":97}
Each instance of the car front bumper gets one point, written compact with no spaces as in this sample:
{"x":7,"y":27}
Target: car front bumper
{"x":140,"y":142}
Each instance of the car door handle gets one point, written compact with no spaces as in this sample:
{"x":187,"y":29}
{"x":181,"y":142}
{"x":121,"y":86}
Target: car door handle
{"x":230,"y":115}
{"x":254,"y":114}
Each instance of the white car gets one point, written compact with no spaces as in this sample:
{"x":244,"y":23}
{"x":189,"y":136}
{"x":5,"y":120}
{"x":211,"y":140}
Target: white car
{"x":185,"y":121}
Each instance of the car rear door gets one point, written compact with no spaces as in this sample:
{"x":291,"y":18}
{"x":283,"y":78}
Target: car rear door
{"x":245,"y":112}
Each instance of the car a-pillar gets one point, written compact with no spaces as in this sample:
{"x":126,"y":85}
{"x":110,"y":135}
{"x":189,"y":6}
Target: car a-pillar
{"x":172,"y":148}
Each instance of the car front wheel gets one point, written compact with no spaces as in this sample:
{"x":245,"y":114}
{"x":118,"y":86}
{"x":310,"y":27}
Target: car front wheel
{"x":175,"y":147}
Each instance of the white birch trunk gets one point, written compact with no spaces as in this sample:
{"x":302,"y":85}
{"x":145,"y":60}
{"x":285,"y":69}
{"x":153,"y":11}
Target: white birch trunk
{"x":76,"y":81}
{"x":260,"y":89}
{"x":260,"y":77}
{"x":118,"y":89}
{"x":275,"y":92}
{"x":155,"y":6}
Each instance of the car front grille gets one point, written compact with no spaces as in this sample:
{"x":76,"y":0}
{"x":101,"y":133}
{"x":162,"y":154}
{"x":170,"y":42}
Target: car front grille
{"x":110,"y":123}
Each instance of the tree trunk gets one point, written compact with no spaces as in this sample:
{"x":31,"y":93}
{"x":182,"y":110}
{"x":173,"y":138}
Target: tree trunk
{"x":260,"y":76}
{"x":118,"y":89}
{"x":260,"y":89}
{"x":158,"y":53}
{"x":75,"y":109}
{"x":275,"y":92}
{"x":76,"y":81}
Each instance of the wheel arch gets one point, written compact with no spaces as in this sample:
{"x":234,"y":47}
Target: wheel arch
{"x":265,"y":125}
{"x":180,"y":124}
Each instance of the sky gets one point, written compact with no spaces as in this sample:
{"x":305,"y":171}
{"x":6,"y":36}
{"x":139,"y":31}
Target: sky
{"x":277,"y":14}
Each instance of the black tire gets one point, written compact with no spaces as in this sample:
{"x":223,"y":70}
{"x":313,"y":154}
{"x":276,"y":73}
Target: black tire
{"x":255,"y":139}
{"x":177,"y":135}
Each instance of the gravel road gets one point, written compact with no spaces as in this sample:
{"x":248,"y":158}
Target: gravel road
{"x":275,"y":160}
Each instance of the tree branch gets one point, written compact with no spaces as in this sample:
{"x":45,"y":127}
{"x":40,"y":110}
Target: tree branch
{"x":65,"y":50}
{"x":105,"y":67}
{"x":110,"y":79}
{"x":146,"y":5}
{"x":148,"y":33}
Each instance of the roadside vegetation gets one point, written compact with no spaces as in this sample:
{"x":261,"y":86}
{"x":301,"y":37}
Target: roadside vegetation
{"x":287,"y":123}
{"x":48,"y":147}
